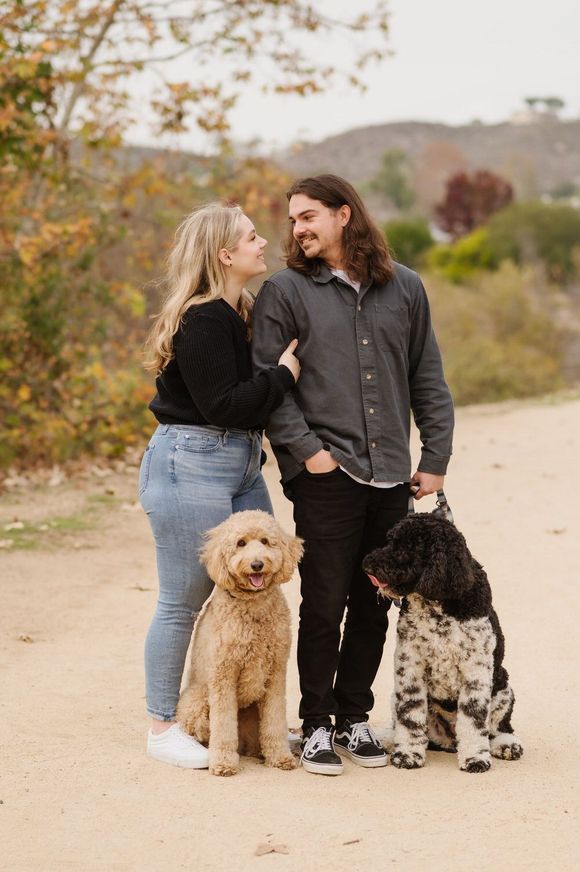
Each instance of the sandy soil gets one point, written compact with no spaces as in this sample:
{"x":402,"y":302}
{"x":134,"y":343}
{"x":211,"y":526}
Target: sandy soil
{"x":78,"y":793}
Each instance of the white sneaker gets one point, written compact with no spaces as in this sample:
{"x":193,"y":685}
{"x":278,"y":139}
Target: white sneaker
{"x":176,"y":747}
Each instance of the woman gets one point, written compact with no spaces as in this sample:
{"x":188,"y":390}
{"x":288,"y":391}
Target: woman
{"x":203,"y":461}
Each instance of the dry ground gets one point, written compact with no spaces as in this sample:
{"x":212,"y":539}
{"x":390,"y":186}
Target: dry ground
{"x":78,"y":793}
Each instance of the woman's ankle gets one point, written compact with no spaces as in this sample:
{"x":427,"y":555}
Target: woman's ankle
{"x":158,"y":727}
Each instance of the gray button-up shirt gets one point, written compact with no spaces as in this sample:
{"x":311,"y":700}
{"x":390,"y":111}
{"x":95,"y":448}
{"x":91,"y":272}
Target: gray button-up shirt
{"x":368,"y":360}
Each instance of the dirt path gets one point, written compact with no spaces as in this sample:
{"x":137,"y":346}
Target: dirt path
{"x":78,"y":793}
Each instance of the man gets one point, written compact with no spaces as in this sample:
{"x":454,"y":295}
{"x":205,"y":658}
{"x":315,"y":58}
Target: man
{"x":341,"y":438}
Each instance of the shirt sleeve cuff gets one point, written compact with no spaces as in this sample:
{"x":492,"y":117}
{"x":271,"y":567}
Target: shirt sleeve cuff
{"x":305,"y":447}
{"x":433,"y":464}
{"x":284,"y":377}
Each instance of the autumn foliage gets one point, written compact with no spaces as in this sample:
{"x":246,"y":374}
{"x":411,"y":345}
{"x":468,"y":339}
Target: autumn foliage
{"x":84,"y":225}
{"x":470,"y":200}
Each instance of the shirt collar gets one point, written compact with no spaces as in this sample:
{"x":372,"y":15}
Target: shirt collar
{"x":324,"y":275}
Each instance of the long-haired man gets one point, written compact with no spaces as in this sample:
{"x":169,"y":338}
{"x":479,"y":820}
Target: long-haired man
{"x":341,"y":438}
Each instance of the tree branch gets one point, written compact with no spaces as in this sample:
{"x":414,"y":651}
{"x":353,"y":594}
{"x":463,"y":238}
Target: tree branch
{"x":86,"y":63}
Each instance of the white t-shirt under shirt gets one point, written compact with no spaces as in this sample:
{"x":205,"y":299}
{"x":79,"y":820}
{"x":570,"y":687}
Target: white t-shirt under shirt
{"x":356,"y":285}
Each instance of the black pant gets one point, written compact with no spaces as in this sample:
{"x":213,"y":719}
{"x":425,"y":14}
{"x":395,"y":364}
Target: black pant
{"x":340,"y":521}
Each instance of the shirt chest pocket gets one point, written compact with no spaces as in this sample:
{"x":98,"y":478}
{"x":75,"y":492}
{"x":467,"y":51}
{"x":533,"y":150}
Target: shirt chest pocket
{"x":392,"y":327}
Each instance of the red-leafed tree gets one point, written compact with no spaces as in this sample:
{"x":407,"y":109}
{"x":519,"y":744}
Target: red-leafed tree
{"x":470,"y":199}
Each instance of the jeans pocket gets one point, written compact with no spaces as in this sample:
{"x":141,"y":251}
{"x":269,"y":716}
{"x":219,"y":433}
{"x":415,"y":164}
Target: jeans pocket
{"x":144,"y":469}
{"x":201,"y":443}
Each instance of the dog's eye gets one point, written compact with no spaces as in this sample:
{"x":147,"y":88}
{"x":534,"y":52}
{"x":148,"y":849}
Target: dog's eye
{"x":241,"y":543}
{"x":264,"y":541}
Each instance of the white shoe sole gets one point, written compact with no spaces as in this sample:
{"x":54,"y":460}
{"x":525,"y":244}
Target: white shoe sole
{"x":322,"y":768}
{"x":172,"y":761}
{"x":366,"y":762}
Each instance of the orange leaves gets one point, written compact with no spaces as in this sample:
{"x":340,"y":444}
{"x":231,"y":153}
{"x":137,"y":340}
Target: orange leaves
{"x":24,"y":393}
{"x":67,"y":237}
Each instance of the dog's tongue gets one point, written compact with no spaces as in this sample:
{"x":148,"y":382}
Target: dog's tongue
{"x":257,"y":580}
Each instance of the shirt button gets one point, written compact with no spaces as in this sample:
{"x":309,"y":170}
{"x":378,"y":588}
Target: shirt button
{"x":372,"y":411}
{"x":373,"y":444}
{"x":369,"y":376}
{"x":359,"y":308}
{"x":365,"y":342}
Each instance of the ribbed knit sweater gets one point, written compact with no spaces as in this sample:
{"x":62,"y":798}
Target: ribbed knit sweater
{"x":209,"y":379}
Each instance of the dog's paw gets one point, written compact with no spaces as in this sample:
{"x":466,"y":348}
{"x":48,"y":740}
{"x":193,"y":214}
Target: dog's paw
{"x":481,"y":763}
{"x":407,"y":760}
{"x":287,"y":762}
{"x":507,"y":750}
{"x":223,"y":770}
{"x":224,"y":764}
{"x":505,"y":746}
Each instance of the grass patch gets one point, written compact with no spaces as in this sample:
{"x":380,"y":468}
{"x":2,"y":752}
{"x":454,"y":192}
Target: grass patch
{"x":53,"y":531}
{"x":95,"y":500}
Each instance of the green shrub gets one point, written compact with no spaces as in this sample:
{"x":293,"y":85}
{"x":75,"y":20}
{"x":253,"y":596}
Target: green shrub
{"x":497,"y":341}
{"x":408,"y":239}
{"x":463,"y":259}
{"x":524,"y":233}
{"x":534,"y":230}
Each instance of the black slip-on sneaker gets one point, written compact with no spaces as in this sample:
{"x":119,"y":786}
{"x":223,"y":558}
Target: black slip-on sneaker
{"x":359,"y":742}
{"x":317,"y":754}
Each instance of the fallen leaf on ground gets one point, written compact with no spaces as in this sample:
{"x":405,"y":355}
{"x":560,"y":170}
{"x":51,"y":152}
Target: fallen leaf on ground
{"x":352,"y":842}
{"x":24,"y":637}
{"x":267,"y":848}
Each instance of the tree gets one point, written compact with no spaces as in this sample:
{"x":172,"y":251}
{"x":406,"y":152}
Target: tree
{"x":433,"y":166}
{"x":409,"y":239}
{"x":553,"y":104}
{"x":94,"y":52}
{"x":392,"y":179}
{"x":81,"y":229}
{"x":548,"y":232}
{"x":470,"y":200}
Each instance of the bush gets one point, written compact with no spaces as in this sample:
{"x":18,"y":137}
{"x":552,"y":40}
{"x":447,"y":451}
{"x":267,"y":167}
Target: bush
{"x":496,"y":341}
{"x":463,"y":259}
{"x":534,"y":230}
{"x":408,"y":239}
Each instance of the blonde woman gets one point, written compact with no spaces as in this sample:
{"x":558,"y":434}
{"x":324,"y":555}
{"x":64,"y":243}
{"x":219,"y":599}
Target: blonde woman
{"x":203,"y":461}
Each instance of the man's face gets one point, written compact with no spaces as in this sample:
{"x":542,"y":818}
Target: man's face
{"x":317,"y":229}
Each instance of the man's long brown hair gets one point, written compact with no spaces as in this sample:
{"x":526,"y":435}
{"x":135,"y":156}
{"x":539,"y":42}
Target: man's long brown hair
{"x":366,"y":254}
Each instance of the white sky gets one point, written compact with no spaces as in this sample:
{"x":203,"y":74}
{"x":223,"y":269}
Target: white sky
{"x":454,"y":60}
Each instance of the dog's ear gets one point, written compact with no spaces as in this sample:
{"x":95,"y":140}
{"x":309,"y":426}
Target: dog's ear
{"x":213,"y":554}
{"x":292,"y":551}
{"x":449,"y":570}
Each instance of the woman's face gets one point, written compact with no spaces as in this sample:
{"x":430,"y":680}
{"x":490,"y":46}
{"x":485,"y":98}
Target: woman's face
{"x":246,"y":260}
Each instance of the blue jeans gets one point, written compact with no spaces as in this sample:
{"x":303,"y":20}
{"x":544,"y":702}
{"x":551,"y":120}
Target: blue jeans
{"x":191,"y":479}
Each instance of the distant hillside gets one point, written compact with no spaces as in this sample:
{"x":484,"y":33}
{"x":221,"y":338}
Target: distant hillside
{"x":537,"y":157}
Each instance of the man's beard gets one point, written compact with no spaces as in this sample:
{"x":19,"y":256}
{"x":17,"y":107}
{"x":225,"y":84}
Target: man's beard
{"x":313,"y":254}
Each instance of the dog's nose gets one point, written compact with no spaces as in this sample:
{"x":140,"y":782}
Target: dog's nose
{"x":257,"y":565}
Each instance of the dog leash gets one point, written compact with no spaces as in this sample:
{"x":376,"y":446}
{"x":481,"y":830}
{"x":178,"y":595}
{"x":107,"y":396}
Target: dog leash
{"x":442,"y":508}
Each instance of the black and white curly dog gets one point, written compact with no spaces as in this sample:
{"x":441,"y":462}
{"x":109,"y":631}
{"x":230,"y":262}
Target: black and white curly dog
{"x":451,"y":689}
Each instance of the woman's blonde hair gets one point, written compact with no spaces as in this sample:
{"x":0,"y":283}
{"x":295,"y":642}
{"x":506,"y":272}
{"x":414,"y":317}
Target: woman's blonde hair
{"x":195,"y":275}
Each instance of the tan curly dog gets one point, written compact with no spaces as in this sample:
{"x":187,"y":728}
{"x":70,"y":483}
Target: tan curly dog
{"x":235,"y":697}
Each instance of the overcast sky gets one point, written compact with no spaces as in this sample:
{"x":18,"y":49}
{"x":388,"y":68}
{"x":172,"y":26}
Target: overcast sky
{"x":453,"y":61}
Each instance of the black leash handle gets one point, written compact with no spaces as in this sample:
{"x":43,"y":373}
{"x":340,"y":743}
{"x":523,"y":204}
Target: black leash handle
{"x":442,"y":509}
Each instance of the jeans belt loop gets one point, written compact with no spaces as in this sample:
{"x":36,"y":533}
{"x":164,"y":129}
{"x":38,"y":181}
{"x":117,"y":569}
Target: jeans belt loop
{"x":225,"y":436}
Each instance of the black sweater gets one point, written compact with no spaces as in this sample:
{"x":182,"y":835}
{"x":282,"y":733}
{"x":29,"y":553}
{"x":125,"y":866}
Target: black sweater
{"x":209,"y":379}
